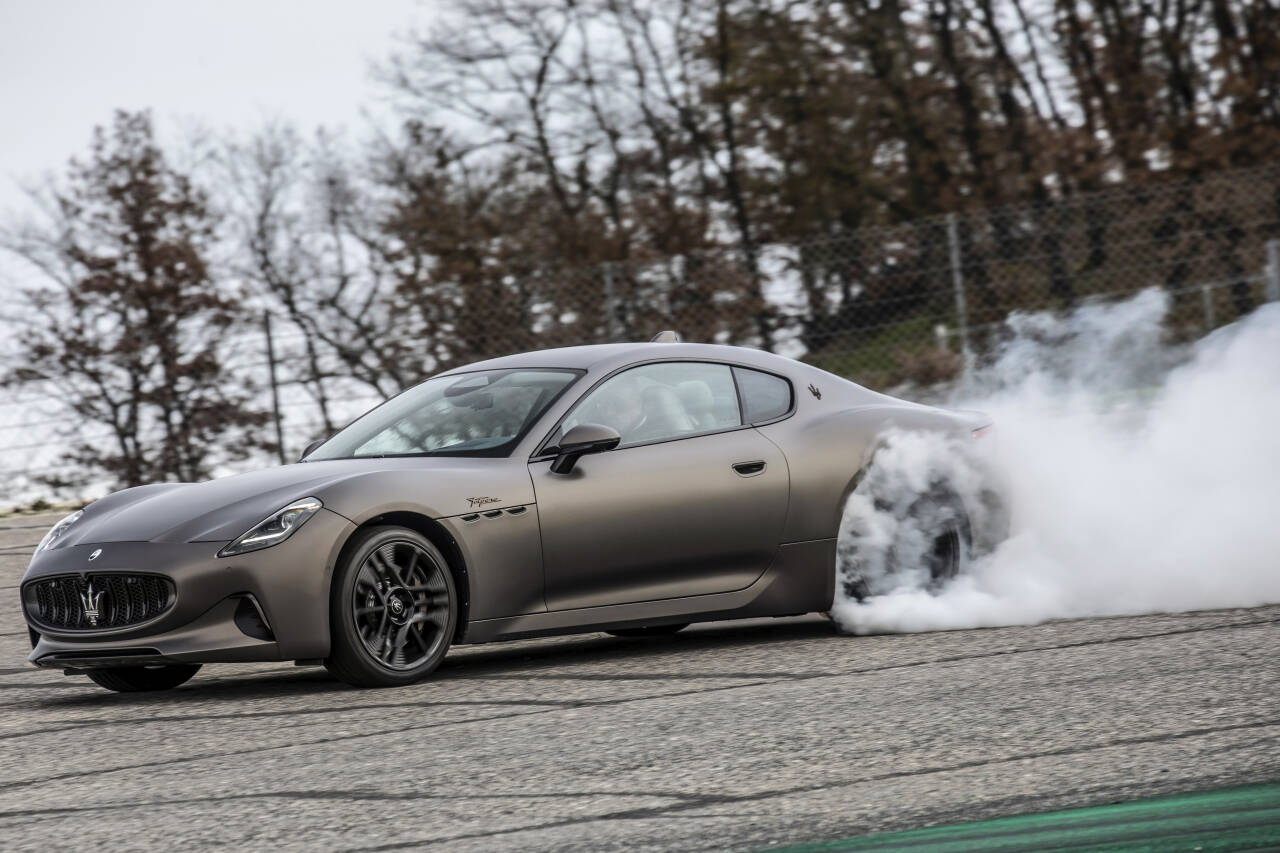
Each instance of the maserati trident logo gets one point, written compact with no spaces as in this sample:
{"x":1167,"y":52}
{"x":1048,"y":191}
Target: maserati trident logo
{"x":95,"y":555}
{"x":91,"y":601}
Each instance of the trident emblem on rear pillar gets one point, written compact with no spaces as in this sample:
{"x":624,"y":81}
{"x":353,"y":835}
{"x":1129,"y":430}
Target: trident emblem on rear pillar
{"x":91,"y":601}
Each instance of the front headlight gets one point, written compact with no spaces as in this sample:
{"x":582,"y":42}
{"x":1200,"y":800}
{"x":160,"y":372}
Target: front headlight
{"x":58,"y":530}
{"x":274,"y":529}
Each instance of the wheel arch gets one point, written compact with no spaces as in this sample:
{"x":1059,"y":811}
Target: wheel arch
{"x":879,"y":423}
{"x":851,"y":486}
{"x":437,"y":535}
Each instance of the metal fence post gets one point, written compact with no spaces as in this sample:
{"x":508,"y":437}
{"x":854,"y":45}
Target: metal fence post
{"x":1206,"y":305}
{"x":1273,"y":270}
{"x":275,"y":387}
{"x":610,"y":304}
{"x":957,"y":282}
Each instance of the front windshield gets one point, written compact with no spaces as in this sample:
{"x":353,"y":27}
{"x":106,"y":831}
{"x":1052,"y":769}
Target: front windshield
{"x":466,"y":414}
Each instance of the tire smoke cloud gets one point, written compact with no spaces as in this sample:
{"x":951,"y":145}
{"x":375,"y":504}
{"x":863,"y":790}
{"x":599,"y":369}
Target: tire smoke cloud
{"x":1142,"y":477}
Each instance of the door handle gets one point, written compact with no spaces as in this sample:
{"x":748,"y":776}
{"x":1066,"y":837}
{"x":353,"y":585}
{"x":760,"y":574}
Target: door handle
{"x":749,"y":469}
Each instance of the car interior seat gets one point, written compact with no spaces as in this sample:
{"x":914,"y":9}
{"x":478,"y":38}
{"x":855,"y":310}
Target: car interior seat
{"x":664,"y":414}
{"x":698,"y":402}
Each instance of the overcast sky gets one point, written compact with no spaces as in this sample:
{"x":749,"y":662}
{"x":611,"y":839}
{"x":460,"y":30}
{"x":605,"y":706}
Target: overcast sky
{"x":65,"y":65}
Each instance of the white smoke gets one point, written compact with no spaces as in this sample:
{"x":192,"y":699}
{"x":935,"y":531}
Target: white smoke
{"x":1141,"y":478}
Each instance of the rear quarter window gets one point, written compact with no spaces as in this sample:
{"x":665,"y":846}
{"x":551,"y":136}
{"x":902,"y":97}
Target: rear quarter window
{"x":765,"y":397}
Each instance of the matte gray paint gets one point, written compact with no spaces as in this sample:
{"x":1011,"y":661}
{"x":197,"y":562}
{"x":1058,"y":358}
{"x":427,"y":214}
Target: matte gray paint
{"x":290,"y":581}
{"x":689,"y":524}
{"x":640,"y":535}
{"x":801,"y":580}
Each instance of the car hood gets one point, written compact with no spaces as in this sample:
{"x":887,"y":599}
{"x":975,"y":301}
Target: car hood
{"x":223,"y":509}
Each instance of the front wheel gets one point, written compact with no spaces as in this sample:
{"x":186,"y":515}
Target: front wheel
{"x":393,"y":609}
{"x":143,"y":679}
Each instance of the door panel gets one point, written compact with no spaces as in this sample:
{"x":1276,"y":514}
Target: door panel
{"x":661,"y":520}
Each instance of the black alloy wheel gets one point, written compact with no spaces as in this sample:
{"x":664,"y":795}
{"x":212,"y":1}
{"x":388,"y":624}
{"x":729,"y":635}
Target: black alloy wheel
{"x":949,"y":544}
{"x":951,"y":548}
{"x":943,"y":558}
{"x":393,"y":609}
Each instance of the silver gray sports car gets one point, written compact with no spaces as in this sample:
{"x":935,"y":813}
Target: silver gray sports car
{"x":628,"y":488}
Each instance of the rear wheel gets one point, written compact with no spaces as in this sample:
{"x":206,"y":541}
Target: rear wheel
{"x":141,"y":679}
{"x":649,"y":631}
{"x":948,"y":535}
{"x":393,"y":609}
{"x":920,"y":541}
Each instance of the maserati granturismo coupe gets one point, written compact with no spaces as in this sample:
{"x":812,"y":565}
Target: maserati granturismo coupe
{"x":627,"y":488}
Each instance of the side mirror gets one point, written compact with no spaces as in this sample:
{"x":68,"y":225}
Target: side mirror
{"x":311,"y":447}
{"x":581,"y":440}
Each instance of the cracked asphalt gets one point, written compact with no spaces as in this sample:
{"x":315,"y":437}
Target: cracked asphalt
{"x":731,"y":736}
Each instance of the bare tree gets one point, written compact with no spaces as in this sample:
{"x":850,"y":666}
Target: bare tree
{"x":128,"y":329}
{"x":310,"y":242}
{"x":614,"y":108}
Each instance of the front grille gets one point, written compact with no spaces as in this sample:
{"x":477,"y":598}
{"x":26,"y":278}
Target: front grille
{"x":96,"y":602}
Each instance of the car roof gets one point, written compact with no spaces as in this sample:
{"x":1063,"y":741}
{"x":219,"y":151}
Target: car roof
{"x":609,"y":356}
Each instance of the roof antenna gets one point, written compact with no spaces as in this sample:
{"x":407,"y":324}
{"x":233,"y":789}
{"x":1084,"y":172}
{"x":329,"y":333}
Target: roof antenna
{"x":667,"y":337}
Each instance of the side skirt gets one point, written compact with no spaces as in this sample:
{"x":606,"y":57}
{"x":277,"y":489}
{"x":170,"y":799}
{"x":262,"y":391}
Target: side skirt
{"x":801,"y":580}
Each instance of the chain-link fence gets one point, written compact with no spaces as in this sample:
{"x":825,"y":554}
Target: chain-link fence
{"x":905,"y":302}
{"x":885,"y":306}
{"x":892,"y":305}
{"x":900,"y":303}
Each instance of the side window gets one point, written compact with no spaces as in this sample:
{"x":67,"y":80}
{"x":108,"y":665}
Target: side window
{"x":764,"y":396}
{"x":655,"y":402}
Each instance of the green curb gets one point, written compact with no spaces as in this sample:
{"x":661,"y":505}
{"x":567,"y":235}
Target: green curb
{"x":1218,"y":821}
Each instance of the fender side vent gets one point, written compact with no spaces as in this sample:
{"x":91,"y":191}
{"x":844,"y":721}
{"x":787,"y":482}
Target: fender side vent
{"x":493,"y":513}
{"x":475,"y":516}
{"x":517,"y":510}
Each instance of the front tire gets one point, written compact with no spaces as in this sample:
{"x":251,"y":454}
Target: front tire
{"x":393,"y":609}
{"x":143,"y":679}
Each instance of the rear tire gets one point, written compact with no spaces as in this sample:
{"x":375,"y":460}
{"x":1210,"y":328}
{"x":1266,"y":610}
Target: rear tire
{"x":932,"y":541}
{"x":649,"y":631}
{"x":393,"y":609}
{"x":143,"y":679}
{"x":951,"y":546}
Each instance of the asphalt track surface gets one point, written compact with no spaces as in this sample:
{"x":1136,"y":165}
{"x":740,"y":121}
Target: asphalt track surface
{"x":737,"y":736}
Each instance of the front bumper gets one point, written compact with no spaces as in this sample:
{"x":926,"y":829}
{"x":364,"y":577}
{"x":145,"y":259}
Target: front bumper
{"x":288,"y":584}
